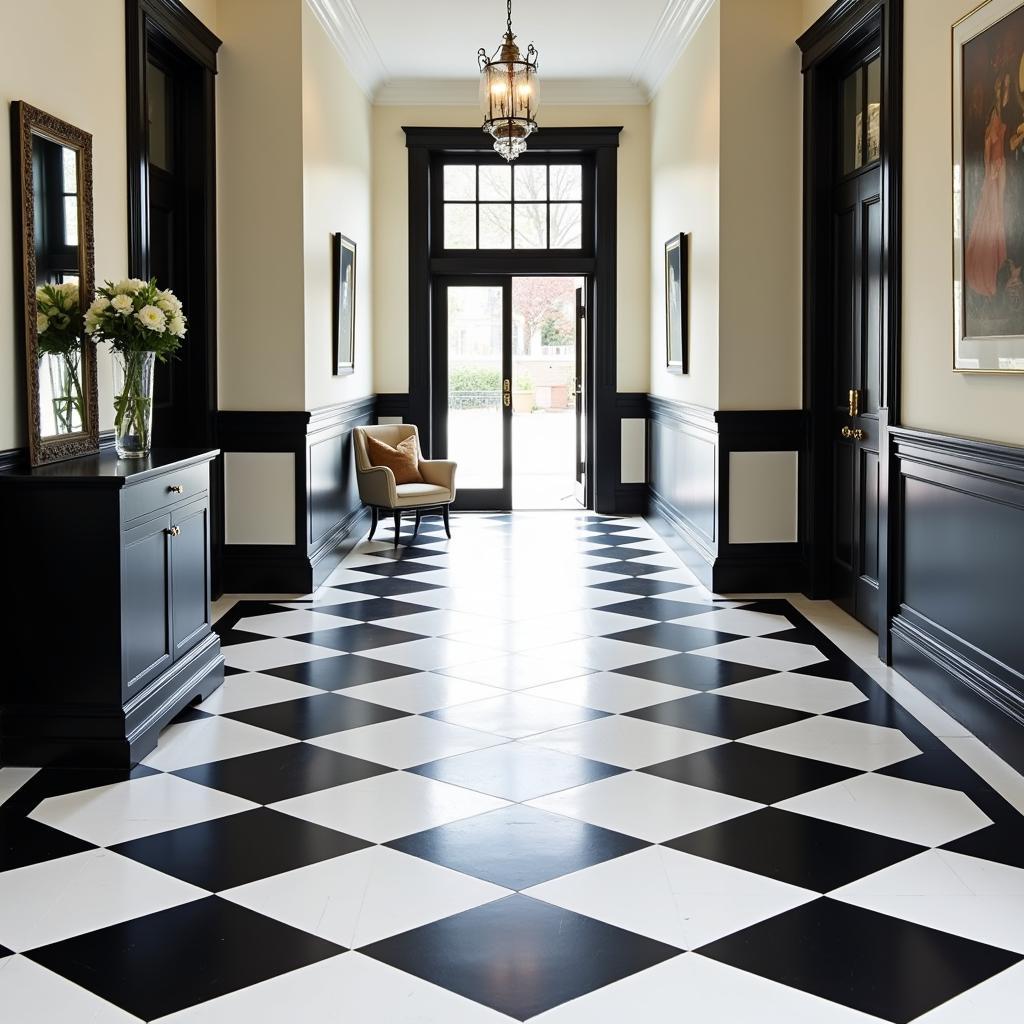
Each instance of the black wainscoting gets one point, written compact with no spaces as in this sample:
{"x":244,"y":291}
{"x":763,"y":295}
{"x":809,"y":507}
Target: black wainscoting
{"x":329,"y":517}
{"x":959,"y":506}
{"x":688,"y":467}
{"x":393,"y":404}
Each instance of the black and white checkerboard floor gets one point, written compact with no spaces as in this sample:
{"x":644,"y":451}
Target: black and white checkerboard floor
{"x":533,"y":773}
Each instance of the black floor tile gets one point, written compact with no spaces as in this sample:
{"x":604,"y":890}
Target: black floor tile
{"x":232,"y":670}
{"x":659,"y":608}
{"x":517,"y":846}
{"x":719,"y":716}
{"x":621,"y":553}
{"x":608,"y":541}
{"x":5,"y":952}
{"x":740,"y":769}
{"x":24,"y":841}
{"x":387,"y":587}
{"x":281,"y":773}
{"x":340,"y":673}
{"x":868,"y":961}
{"x":793,"y":848}
{"x":640,"y":587}
{"x":309,"y":717}
{"x":406,"y":551}
{"x":520,"y":956}
{"x":516,"y":771}
{"x":882,"y":710}
{"x":673,"y":638}
{"x":156,"y":965}
{"x":377,"y":608}
{"x":396,"y":567}
{"x":365,"y":637}
{"x":233,"y":637}
{"x":694,"y":672}
{"x":1002,"y":842}
{"x":240,"y":848}
{"x":632,"y":569}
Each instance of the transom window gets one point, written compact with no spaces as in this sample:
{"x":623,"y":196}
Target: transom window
{"x":523,"y":206}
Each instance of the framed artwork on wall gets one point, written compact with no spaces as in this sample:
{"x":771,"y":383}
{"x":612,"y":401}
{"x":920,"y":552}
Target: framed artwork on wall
{"x":988,"y":189}
{"x":677,"y":354}
{"x":343,"y":258}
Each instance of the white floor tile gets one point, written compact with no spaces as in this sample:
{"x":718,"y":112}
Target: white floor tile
{"x":673,"y":897}
{"x":186,"y":744}
{"x":405,"y":742}
{"x":626,"y":742}
{"x":263,"y":654}
{"x":251,"y":690}
{"x":388,"y":806}
{"x":853,"y":744}
{"x":347,"y":989}
{"x":429,"y":654}
{"x":927,"y":815}
{"x":814,"y":694}
{"x":738,"y":621}
{"x":47,"y":902}
{"x":514,"y":715}
{"x":420,"y":692}
{"x":519,"y":636}
{"x":516,"y":672}
{"x":599,"y":652}
{"x":114,"y":814}
{"x":12,"y":779}
{"x":763,"y":652}
{"x":471,"y":628}
{"x":712,"y":993}
{"x":291,"y":623}
{"x":30,"y":994}
{"x":365,"y":896}
{"x":966,"y":896}
{"x":645,"y":806}
{"x":610,"y":691}
{"x":595,"y":622}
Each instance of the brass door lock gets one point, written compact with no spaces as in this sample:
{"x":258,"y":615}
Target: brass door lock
{"x":173,"y":531}
{"x":853,"y":433}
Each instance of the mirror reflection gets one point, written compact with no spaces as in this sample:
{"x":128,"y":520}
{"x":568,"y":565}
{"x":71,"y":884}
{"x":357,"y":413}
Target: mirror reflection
{"x":59,"y":320}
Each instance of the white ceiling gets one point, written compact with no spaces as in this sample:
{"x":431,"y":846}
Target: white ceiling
{"x":596,"y":51}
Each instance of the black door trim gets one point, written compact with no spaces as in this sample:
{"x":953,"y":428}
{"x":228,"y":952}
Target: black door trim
{"x":169,"y":24}
{"x":845,"y":26}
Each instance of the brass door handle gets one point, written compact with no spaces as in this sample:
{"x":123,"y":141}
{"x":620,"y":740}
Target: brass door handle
{"x":507,"y":399}
{"x":173,"y":531}
{"x":175,"y":488}
{"x":854,"y":433}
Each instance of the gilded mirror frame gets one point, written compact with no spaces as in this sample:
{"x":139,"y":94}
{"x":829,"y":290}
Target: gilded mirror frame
{"x":28,"y":121}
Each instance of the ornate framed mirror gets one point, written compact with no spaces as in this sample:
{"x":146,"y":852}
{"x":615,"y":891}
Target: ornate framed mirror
{"x":53,"y":181}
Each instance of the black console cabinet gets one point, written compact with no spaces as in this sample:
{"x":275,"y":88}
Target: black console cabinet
{"x":108,"y":578}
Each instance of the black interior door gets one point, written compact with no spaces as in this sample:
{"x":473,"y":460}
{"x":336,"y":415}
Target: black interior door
{"x":579,"y":399}
{"x":472,"y":387}
{"x":857,"y":237}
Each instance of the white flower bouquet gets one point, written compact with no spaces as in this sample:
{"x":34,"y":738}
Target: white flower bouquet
{"x":142,"y":324}
{"x":59,"y":332}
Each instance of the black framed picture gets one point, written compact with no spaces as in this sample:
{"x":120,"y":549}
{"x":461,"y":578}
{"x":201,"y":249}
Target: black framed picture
{"x":677,"y":301}
{"x":343,"y":252}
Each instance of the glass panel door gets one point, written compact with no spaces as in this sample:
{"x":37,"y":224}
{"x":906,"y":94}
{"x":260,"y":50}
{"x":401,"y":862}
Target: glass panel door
{"x":473,"y":400}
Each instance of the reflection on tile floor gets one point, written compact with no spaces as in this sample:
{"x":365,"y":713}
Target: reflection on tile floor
{"x":536,"y":772}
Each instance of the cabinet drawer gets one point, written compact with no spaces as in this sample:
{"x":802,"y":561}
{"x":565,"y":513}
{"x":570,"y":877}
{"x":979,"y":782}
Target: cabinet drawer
{"x":163,"y":491}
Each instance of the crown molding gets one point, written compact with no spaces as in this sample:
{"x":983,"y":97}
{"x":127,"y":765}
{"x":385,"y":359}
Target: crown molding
{"x":672,"y":34}
{"x":463,"y":92}
{"x":340,"y":20}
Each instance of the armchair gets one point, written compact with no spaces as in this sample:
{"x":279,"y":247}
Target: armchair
{"x":377,"y":487}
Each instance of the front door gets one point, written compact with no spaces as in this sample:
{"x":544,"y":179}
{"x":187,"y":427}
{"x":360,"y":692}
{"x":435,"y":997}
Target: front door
{"x":577,"y":397}
{"x":857,"y":237}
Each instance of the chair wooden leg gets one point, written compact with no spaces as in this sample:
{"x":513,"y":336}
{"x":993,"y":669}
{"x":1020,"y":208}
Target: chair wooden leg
{"x":444,"y":516}
{"x":416,"y":528}
{"x":374,"y":519}
{"x":398,"y":524}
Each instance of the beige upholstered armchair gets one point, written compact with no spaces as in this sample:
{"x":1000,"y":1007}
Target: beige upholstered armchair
{"x":377,"y":487}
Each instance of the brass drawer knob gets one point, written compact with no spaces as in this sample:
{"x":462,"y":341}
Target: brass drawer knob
{"x":173,"y":531}
{"x":176,"y":488}
{"x":854,"y":433}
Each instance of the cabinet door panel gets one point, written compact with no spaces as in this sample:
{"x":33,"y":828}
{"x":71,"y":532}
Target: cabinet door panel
{"x":145,"y":613}
{"x":190,"y":574}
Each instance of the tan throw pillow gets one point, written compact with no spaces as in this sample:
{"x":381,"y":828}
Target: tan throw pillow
{"x":403,"y":461}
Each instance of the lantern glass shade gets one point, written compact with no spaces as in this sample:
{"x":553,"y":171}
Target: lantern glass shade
{"x":509,"y":96}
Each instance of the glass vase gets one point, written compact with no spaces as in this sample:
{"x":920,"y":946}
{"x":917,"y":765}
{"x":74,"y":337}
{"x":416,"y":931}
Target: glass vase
{"x":133,"y":403}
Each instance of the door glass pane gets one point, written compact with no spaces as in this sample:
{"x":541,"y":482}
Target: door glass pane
{"x":71,"y":220}
{"x":531,"y":225}
{"x":459,"y":226}
{"x":161,"y":135}
{"x":531,"y":182}
{"x":566,"y":225}
{"x":566,"y":181}
{"x":873,"y":306}
{"x":852,"y":125}
{"x":495,"y":183}
{"x":874,"y":108}
{"x":69,"y":167}
{"x":495,"y":225}
{"x":460,"y":181}
{"x":475,"y":434}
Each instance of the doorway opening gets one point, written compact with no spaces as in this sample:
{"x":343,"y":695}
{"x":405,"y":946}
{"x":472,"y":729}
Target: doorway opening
{"x":510,"y":362}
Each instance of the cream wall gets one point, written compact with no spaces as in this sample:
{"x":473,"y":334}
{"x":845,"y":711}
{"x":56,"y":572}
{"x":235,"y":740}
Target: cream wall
{"x":81,"y":80}
{"x":685,"y":182}
{"x":934,"y":397}
{"x":391,"y":231}
{"x":336,"y":144}
{"x":261,"y":341}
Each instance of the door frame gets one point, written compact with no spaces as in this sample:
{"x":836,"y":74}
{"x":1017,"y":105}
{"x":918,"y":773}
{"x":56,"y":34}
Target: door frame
{"x":169,"y":25}
{"x":844,"y":28}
